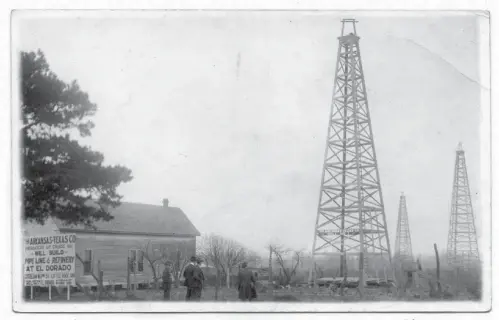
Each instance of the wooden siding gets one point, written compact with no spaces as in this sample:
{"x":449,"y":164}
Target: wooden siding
{"x":113,"y":250}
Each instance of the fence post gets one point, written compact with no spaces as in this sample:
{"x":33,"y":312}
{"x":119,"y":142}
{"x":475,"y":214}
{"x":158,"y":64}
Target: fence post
{"x":99,"y":280}
{"x":128,"y":273}
{"x":271,"y":275}
{"x":439,"y":286}
{"x":360,"y":286}
{"x":216,"y":284}
{"x":457,"y":282}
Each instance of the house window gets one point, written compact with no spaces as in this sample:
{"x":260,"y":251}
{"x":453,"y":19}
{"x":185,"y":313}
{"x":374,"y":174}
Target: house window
{"x":132,"y":259}
{"x":163,"y":250}
{"x":136,"y":260}
{"x":140,"y":261}
{"x":87,"y":262}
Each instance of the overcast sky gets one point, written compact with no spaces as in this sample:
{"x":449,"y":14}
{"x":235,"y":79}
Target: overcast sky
{"x":225,"y":114}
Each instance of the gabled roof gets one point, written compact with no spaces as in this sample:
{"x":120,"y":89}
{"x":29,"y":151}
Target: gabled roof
{"x":138,"y":218}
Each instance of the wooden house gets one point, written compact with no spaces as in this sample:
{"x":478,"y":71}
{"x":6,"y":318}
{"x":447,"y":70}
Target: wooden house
{"x":120,"y":247}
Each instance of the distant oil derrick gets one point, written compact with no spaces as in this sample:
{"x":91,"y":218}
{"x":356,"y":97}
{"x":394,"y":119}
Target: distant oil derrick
{"x":403,"y":245}
{"x":462,"y":246}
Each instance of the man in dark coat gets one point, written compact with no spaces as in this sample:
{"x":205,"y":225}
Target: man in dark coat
{"x":193,"y":280}
{"x":246,"y":282}
{"x":253,"y":289}
{"x":167,"y":281}
{"x":199,"y":262}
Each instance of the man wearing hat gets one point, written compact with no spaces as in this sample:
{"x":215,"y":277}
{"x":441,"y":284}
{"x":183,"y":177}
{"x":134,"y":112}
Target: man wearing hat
{"x":193,"y":280}
{"x":167,"y":280}
{"x":246,"y":283}
{"x":199,"y":263}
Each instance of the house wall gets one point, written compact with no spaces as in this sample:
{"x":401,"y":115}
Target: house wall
{"x":112,"y":251}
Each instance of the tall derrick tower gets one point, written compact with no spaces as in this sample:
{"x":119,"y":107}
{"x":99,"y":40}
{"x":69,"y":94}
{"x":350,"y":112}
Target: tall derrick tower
{"x":350,"y":216}
{"x":462,"y":246}
{"x":403,"y":245}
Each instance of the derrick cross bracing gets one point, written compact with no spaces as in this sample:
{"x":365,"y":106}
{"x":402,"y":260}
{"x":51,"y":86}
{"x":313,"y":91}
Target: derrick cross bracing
{"x":350,"y":216}
{"x":403,"y":245}
{"x":462,"y":246}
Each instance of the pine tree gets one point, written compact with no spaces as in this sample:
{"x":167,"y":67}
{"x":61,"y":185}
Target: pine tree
{"x":60,"y":177}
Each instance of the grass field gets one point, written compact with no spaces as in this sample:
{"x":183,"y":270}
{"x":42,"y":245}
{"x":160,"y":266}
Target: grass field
{"x":225,"y":294}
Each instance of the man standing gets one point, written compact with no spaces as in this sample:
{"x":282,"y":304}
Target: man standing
{"x":167,"y":281}
{"x":193,"y":280}
{"x":201,"y":274}
{"x":246,"y":282}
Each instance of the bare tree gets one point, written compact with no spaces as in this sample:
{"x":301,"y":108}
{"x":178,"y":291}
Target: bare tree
{"x":223,"y":254}
{"x":281,"y":253}
{"x":153,"y":259}
{"x":159,"y":257}
{"x":179,"y":262}
{"x":271,"y":277}
{"x":234,"y":254}
{"x":210,"y":250}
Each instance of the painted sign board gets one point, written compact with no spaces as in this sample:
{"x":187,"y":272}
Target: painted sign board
{"x":49,"y":260}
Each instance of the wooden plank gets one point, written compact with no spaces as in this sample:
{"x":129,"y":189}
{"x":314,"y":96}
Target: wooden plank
{"x":438,"y":269}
